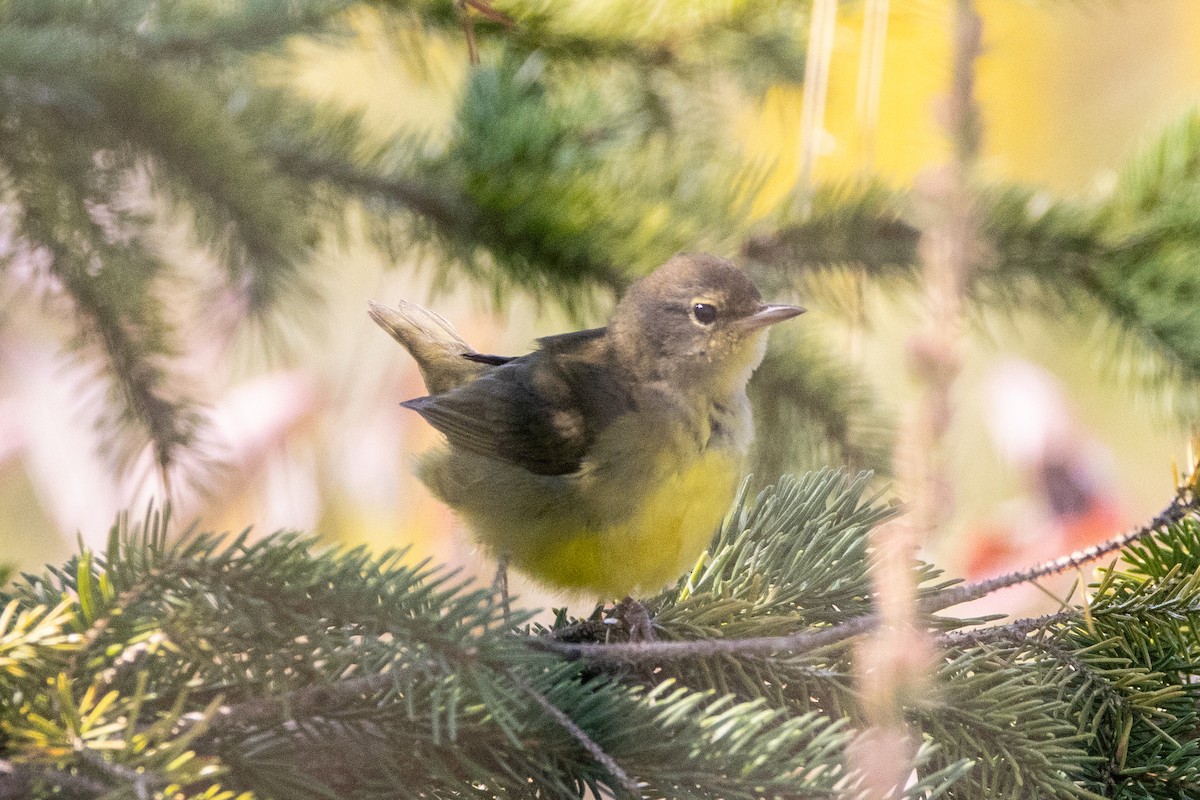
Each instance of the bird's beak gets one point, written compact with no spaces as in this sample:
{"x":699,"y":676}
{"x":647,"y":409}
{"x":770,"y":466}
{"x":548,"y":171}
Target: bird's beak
{"x":769,"y":314}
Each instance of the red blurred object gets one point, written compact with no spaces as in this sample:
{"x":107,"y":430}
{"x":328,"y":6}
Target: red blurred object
{"x":1072,"y":499}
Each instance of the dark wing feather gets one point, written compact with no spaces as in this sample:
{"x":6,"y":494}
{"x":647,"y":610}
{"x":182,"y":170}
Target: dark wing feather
{"x":558,"y":342}
{"x":484,"y":358}
{"x":575,"y":341}
{"x":541,"y":412}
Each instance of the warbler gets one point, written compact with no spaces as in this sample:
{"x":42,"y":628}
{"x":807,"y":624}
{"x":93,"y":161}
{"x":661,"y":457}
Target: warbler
{"x":604,"y":460}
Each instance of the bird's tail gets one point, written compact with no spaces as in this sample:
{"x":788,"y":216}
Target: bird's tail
{"x":441,"y":353}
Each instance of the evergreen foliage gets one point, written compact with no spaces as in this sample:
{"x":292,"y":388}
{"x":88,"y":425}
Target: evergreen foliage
{"x":572,"y":164}
{"x":99,"y":99}
{"x":829,"y":409}
{"x":1128,"y":260}
{"x":215,"y":666}
{"x":579,"y":158}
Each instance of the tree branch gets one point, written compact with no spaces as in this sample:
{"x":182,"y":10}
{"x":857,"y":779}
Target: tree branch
{"x":1184,"y":503}
{"x":580,"y":735}
{"x":630,"y":654}
{"x":19,"y":782}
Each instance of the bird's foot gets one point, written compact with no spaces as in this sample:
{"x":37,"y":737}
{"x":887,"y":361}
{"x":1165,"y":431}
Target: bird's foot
{"x":634,"y":616}
{"x":500,"y":587}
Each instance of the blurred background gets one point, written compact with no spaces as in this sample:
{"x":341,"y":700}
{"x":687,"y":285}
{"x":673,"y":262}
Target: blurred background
{"x":199,"y":199}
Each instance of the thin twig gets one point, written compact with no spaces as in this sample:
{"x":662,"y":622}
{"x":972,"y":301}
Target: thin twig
{"x":491,"y":12}
{"x":1015,"y":630}
{"x":822,"y":30}
{"x":469,"y":31}
{"x":484,"y":8}
{"x":580,"y":735}
{"x":307,"y":702}
{"x":628,"y":653}
{"x":1180,"y":507}
{"x":142,"y":784}
{"x":18,"y":782}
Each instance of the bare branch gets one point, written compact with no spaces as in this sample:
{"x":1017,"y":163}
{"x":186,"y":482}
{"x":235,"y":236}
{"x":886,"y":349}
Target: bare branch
{"x":629,"y":653}
{"x":1184,"y":503}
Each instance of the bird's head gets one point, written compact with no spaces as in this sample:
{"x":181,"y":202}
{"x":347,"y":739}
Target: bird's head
{"x":696,"y":318}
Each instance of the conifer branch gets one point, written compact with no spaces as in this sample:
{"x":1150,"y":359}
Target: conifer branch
{"x":617,"y":654}
{"x":637,"y":653}
{"x":126,"y":332}
{"x":427,"y":199}
{"x":20,"y":782}
{"x":225,"y":666}
{"x":459,"y":222}
{"x":351,"y":672}
{"x":302,"y":704}
{"x":628,"y":784}
{"x":1016,"y":630}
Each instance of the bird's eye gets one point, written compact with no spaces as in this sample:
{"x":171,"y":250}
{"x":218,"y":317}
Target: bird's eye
{"x":704,"y":313}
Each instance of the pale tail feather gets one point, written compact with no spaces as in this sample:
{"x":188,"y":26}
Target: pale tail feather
{"x":432,"y":342}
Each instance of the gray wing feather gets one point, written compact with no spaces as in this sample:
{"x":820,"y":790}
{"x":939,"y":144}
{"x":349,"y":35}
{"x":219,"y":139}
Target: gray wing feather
{"x":541,"y":412}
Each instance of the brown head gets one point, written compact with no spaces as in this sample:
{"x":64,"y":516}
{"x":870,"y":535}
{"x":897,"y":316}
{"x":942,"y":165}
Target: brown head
{"x":696,"y":318}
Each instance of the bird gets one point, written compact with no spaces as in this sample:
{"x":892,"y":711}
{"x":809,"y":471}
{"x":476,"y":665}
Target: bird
{"x":603,"y":461}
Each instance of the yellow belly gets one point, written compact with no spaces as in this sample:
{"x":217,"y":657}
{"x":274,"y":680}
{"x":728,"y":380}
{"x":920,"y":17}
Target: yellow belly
{"x":670,"y":526}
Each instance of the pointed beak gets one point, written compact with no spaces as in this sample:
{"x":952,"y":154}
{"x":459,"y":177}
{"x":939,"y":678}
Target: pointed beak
{"x":771,"y":313}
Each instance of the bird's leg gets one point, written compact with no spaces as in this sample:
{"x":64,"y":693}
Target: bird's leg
{"x":500,"y":585}
{"x":636,"y":618}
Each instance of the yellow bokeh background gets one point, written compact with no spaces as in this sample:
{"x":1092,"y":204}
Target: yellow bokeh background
{"x":1067,"y":90}
{"x":1067,"y":93}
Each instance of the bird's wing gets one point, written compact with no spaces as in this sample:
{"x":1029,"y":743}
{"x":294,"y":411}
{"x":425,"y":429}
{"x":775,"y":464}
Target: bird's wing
{"x":562,"y":342}
{"x":573,"y":342}
{"x":490,"y":360}
{"x":541,"y":412}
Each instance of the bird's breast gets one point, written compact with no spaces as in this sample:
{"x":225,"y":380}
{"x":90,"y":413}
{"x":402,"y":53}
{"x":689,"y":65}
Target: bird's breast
{"x":647,"y":539}
{"x":658,"y":443}
{"x":727,"y":424}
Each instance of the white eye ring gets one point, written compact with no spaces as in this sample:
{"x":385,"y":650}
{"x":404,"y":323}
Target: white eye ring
{"x":704,"y":313}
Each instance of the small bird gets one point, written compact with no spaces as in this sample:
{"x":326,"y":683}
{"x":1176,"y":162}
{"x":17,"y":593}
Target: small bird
{"x":604,"y":460}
